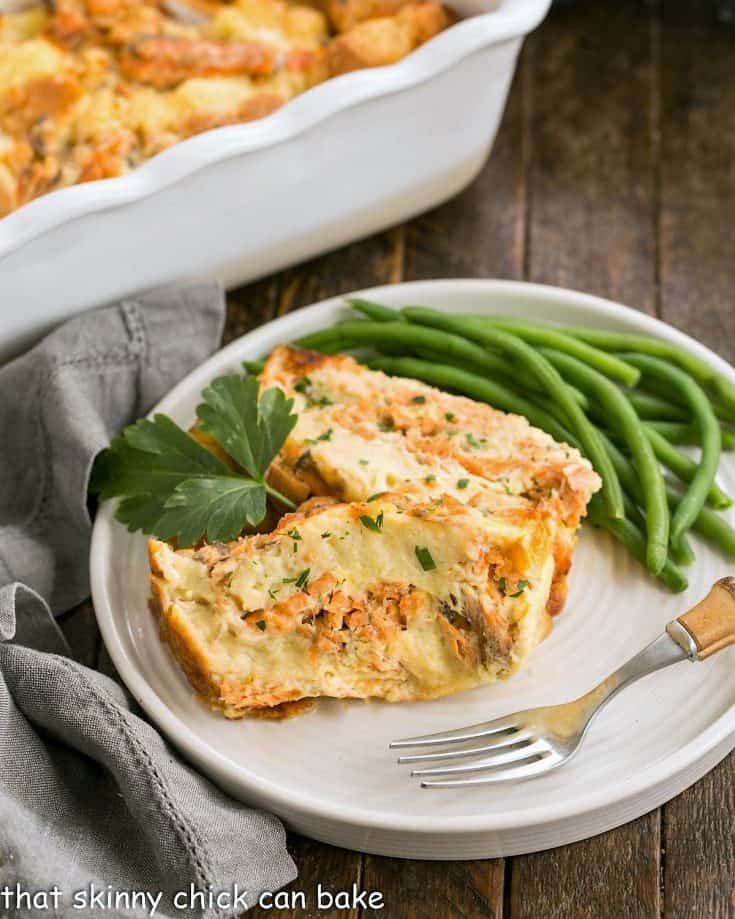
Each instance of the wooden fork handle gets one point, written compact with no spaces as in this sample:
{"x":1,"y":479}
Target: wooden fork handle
{"x":711,"y":623}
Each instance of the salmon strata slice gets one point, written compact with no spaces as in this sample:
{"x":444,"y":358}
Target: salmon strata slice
{"x":432,"y":544}
{"x":388,"y":599}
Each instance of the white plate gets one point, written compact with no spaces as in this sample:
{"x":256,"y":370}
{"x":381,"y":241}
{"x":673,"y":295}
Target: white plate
{"x":329,"y":774}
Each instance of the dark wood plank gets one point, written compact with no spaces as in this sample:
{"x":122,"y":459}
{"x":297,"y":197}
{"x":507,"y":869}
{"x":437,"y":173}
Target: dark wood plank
{"x":697,"y":273}
{"x":480,"y":233}
{"x":250,"y":306}
{"x":697,"y":175}
{"x":699,"y":848}
{"x":335,"y":869}
{"x":451,"y":890}
{"x":592,"y":227}
{"x":615,"y":874}
{"x":378,"y":260}
{"x":592,"y":182}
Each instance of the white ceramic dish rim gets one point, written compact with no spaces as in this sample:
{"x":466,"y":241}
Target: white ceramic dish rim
{"x":193,"y":746}
{"x":514,"y":18}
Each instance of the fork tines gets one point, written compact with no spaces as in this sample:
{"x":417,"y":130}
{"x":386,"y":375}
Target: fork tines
{"x":513,"y":752}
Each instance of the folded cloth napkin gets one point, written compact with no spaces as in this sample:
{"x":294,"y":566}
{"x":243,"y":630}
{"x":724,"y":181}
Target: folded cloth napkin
{"x":98,"y":815}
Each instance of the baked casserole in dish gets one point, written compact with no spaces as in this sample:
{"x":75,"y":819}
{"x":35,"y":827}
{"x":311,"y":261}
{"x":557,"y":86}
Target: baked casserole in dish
{"x":89,"y":89}
{"x":346,"y":156}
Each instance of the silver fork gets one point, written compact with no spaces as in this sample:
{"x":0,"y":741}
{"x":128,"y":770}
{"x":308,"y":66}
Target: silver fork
{"x":534,"y":741}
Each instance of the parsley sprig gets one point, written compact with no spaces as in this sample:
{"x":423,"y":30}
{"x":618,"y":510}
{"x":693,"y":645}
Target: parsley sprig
{"x":173,"y":487}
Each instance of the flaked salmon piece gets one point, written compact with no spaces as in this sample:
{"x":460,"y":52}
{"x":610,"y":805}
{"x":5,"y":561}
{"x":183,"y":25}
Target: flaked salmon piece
{"x":164,"y":62}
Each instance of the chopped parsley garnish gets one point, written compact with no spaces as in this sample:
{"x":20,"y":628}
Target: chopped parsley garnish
{"x":227,"y":580}
{"x":173,"y":487}
{"x":520,"y":587}
{"x":474,"y":442}
{"x":363,"y":462}
{"x":303,"y":384}
{"x":326,"y":534}
{"x":429,"y":479}
{"x":378,"y":494}
{"x":418,"y":400}
{"x":261,"y":624}
{"x":463,"y":483}
{"x":322,"y":401}
{"x":386,"y":424}
{"x":375,"y":525}
{"x":501,"y":585}
{"x":450,"y":416}
{"x":273,"y":592}
{"x":294,"y":534}
{"x":425,"y":558}
{"x":324,"y":436}
{"x":302,"y":581}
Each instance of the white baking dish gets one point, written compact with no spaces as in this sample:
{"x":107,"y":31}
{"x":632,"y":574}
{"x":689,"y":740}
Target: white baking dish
{"x":347,"y":158}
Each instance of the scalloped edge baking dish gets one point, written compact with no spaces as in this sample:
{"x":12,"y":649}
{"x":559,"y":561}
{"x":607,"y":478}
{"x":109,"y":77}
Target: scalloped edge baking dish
{"x":345,"y":159}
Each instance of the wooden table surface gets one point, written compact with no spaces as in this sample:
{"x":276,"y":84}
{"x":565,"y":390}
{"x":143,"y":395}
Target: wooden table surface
{"x":613,"y":173}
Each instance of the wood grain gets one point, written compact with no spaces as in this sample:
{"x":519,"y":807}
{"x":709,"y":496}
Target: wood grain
{"x":335,"y":869}
{"x":615,"y":874}
{"x":592,"y":181}
{"x":697,"y":273}
{"x":450,"y":890}
{"x":480,"y":233}
{"x":698,"y":175}
{"x":699,"y":848}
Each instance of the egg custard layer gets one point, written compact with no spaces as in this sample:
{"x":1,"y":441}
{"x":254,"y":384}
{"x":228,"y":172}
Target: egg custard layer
{"x":432,"y":544}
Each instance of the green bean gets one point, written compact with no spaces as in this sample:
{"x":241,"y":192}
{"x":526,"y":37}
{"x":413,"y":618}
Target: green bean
{"x":551,"y":337}
{"x":655,"y":347}
{"x":375,"y":311}
{"x":683,"y":434}
{"x":621,"y":416}
{"x":649,"y":386}
{"x":682,"y":553}
{"x":323,"y":338}
{"x":352,"y":333}
{"x":709,"y":524}
{"x":626,"y":532}
{"x":502,"y":373}
{"x":650,"y":406}
{"x":469,"y":384}
{"x":685,"y":469}
{"x":709,"y":431}
{"x":642,"y":344}
{"x":681,"y":465}
{"x":547,"y":376}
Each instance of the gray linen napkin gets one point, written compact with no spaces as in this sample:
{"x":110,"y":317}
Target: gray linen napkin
{"x":94,"y":804}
